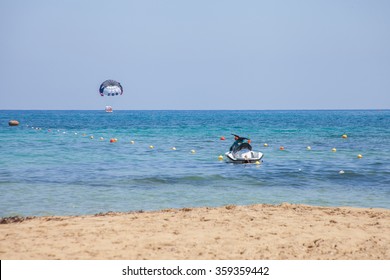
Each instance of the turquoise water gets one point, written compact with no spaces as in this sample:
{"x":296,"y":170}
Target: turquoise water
{"x":49,"y":165}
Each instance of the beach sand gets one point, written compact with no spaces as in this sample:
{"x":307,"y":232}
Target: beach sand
{"x":274,"y":232}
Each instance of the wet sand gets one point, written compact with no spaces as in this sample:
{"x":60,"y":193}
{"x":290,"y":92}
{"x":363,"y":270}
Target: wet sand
{"x":275,"y":232}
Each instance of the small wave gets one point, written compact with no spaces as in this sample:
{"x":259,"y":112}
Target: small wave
{"x":168,"y":180}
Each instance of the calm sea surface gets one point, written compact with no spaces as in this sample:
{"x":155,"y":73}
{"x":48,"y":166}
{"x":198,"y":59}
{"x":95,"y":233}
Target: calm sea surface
{"x":55,"y":162}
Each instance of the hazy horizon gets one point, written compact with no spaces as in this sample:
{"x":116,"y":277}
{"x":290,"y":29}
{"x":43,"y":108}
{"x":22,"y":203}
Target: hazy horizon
{"x":195,"y":55}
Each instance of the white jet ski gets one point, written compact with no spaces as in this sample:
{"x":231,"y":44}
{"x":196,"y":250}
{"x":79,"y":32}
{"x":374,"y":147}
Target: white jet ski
{"x":241,"y":151}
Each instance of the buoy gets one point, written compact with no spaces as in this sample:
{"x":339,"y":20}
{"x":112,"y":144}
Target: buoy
{"x":341,"y":172}
{"x":151,"y":146}
{"x":257,"y":162}
{"x":113,"y":140}
{"x":334,"y":150}
{"x":308,"y":147}
{"x":344,"y":136}
{"x":101,"y":138}
{"x":265,"y":145}
{"x":13,"y":123}
{"x":222,"y":138}
{"x":220,"y":157}
{"x":359,"y":156}
{"x":193,"y":151}
{"x":173,"y":148}
{"x":281,"y":148}
{"x":132,"y":142}
{"x":91,"y":137}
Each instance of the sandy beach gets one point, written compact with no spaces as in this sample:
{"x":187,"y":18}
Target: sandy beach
{"x":274,"y":232}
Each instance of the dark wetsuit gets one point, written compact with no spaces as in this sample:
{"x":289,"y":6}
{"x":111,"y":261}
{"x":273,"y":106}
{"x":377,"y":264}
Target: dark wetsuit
{"x":237,"y":143}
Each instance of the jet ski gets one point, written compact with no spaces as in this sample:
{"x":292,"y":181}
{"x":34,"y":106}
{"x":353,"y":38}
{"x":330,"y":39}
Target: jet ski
{"x":241,"y":151}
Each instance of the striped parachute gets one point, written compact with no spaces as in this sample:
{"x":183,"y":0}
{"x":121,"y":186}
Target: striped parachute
{"x":110,"y":88}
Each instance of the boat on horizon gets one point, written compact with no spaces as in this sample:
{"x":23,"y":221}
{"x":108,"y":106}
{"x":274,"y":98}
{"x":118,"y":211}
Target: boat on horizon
{"x":109,"y":109}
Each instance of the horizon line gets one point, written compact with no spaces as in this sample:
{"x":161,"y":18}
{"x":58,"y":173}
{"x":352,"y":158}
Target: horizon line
{"x":359,"y":109}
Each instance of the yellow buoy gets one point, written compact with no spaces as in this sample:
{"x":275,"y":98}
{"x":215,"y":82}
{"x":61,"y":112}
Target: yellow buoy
{"x":173,"y":148}
{"x":132,"y":142}
{"x":334,"y":150}
{"x":308,"y":147}
{"x":220,"y":157}
{"x":151,"y":146}
{"x":344,"y":136}
{"x":359,"y":156}
{"x":257,"y":162}
{"x":265,"y":145}
{"x":193,"y":151}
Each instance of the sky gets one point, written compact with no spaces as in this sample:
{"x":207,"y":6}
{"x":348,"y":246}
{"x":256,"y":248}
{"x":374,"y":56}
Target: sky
{"x":195,"y":55}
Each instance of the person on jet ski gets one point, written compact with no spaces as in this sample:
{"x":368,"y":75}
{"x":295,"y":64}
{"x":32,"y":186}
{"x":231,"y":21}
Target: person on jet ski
{"x":239,"y":141}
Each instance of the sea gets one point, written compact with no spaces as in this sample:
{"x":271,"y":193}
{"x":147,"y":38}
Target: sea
{"x":65,"y":163}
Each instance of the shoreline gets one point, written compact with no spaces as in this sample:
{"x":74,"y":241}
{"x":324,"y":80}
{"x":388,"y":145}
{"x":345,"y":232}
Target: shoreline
{"x":260,"y":231}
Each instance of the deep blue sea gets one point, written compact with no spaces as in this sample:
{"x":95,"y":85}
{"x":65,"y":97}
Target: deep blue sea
{"x":56,"y":163}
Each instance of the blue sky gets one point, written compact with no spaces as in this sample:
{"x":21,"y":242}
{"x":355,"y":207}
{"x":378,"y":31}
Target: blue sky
{"x":195,"y":54}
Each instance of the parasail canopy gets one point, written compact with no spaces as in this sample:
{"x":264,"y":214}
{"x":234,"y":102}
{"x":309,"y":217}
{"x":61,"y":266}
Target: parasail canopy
{"x":110,"y":88}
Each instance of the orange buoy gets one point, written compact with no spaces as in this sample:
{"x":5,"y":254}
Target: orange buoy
{"x":222,"y":138}
{"x":13,"y":123}
{"x":113,"y":140}
{"x":281,"y":148}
